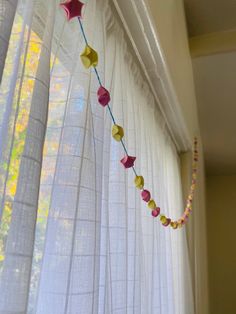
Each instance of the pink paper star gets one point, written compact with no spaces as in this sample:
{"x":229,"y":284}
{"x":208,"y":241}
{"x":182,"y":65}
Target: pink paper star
{"x":73,"y":8}
{"x":168,"y":221}
{"x":146,"y":195}
{"x":156,"y":212}
{"x":103,"y":96}
{"x":128,"y":161}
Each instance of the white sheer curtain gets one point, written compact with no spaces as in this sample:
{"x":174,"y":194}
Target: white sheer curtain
{"x":75,"y":235}
{"x":7,"y":13}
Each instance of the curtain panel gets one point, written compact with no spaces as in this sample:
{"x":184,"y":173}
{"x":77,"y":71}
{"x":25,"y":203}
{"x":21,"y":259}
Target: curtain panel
{"x":75,"y":236}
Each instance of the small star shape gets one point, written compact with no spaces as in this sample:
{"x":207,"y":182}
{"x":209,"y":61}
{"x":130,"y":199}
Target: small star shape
{"x":73,"y":8}
{"x":128,"y":161}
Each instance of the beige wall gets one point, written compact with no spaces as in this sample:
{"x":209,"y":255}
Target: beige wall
{"x":169,"y":20}
{"x":221,"y":222}
{"x":170,"y":23}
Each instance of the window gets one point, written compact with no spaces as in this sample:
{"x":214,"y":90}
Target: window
{"x":75,"y":236}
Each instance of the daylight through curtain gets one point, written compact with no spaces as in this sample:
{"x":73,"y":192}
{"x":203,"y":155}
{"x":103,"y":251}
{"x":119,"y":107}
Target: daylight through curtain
{"x":75,"y":236}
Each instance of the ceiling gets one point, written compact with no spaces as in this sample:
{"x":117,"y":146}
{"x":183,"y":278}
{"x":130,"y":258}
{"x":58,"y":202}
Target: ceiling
{"x":208,"y":16}
{"x":215,"y":81}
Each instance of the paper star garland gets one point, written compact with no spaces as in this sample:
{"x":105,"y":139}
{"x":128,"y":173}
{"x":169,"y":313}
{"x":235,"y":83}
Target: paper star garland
{"x":117,"y":132}
{"x":89,"y":58}
{"x":168,"y":221}
{"x":146,"y":195}
{"x":72,"y":8}
{"x":128,"y":161}
{"x":139,"y":182}
{"x":152,"y":204}
{"x":103,"y":96}
{"x":174,"y":224}
{"x":156,"y":212}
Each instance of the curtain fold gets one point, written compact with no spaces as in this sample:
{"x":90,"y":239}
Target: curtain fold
{"x":16,"y":273}
{"x":7,"y":14}
{"x":12,"y":89}
{"x":75,"y":236}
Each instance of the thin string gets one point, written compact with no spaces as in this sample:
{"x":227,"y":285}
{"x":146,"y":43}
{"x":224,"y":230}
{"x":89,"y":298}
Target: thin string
{"x":100,"y":83}
{"x":108,"y":106}
{"x":82,"y":30}
{"x":111,"y":114}
{"x":98,"y":77}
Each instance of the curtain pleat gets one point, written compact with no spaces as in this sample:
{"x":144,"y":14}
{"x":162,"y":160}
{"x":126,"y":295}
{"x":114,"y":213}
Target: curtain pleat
{"x":7,"y":14}
{"x":15,"y":277}
{"x":12,"y":104}
{"x":80,"y":239}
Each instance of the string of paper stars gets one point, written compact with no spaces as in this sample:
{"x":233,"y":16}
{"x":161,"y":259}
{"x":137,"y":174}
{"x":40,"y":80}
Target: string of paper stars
{"x":89,"y":58}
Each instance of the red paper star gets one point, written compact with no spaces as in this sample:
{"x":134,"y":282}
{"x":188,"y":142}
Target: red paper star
{"x":146,"y":195}
{"x":168,"y":221}
{"x":103,"y":96}
{"x":128,"y":161}
{"x":156,"y":212}
{"x":73,"y":8}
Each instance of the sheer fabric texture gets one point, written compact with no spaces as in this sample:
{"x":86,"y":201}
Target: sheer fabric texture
{"x":75,"y":236}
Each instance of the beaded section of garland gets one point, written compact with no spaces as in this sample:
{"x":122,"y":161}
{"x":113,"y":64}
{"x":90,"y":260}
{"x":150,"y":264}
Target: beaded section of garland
{"x":89,"y":58}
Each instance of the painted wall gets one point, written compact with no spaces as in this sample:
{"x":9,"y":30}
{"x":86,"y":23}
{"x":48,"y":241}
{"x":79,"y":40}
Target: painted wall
{"x":169,"y":18}
{"x":169,"y":21}
{"x":221,"y":222}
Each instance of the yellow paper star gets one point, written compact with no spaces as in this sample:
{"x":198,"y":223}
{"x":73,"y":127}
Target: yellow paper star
{"x":89,"y":57}
{"x":117,"y":132}
{"x":152,"y":204}
{"x":139,"y":182}
{"x":163,"y":219}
